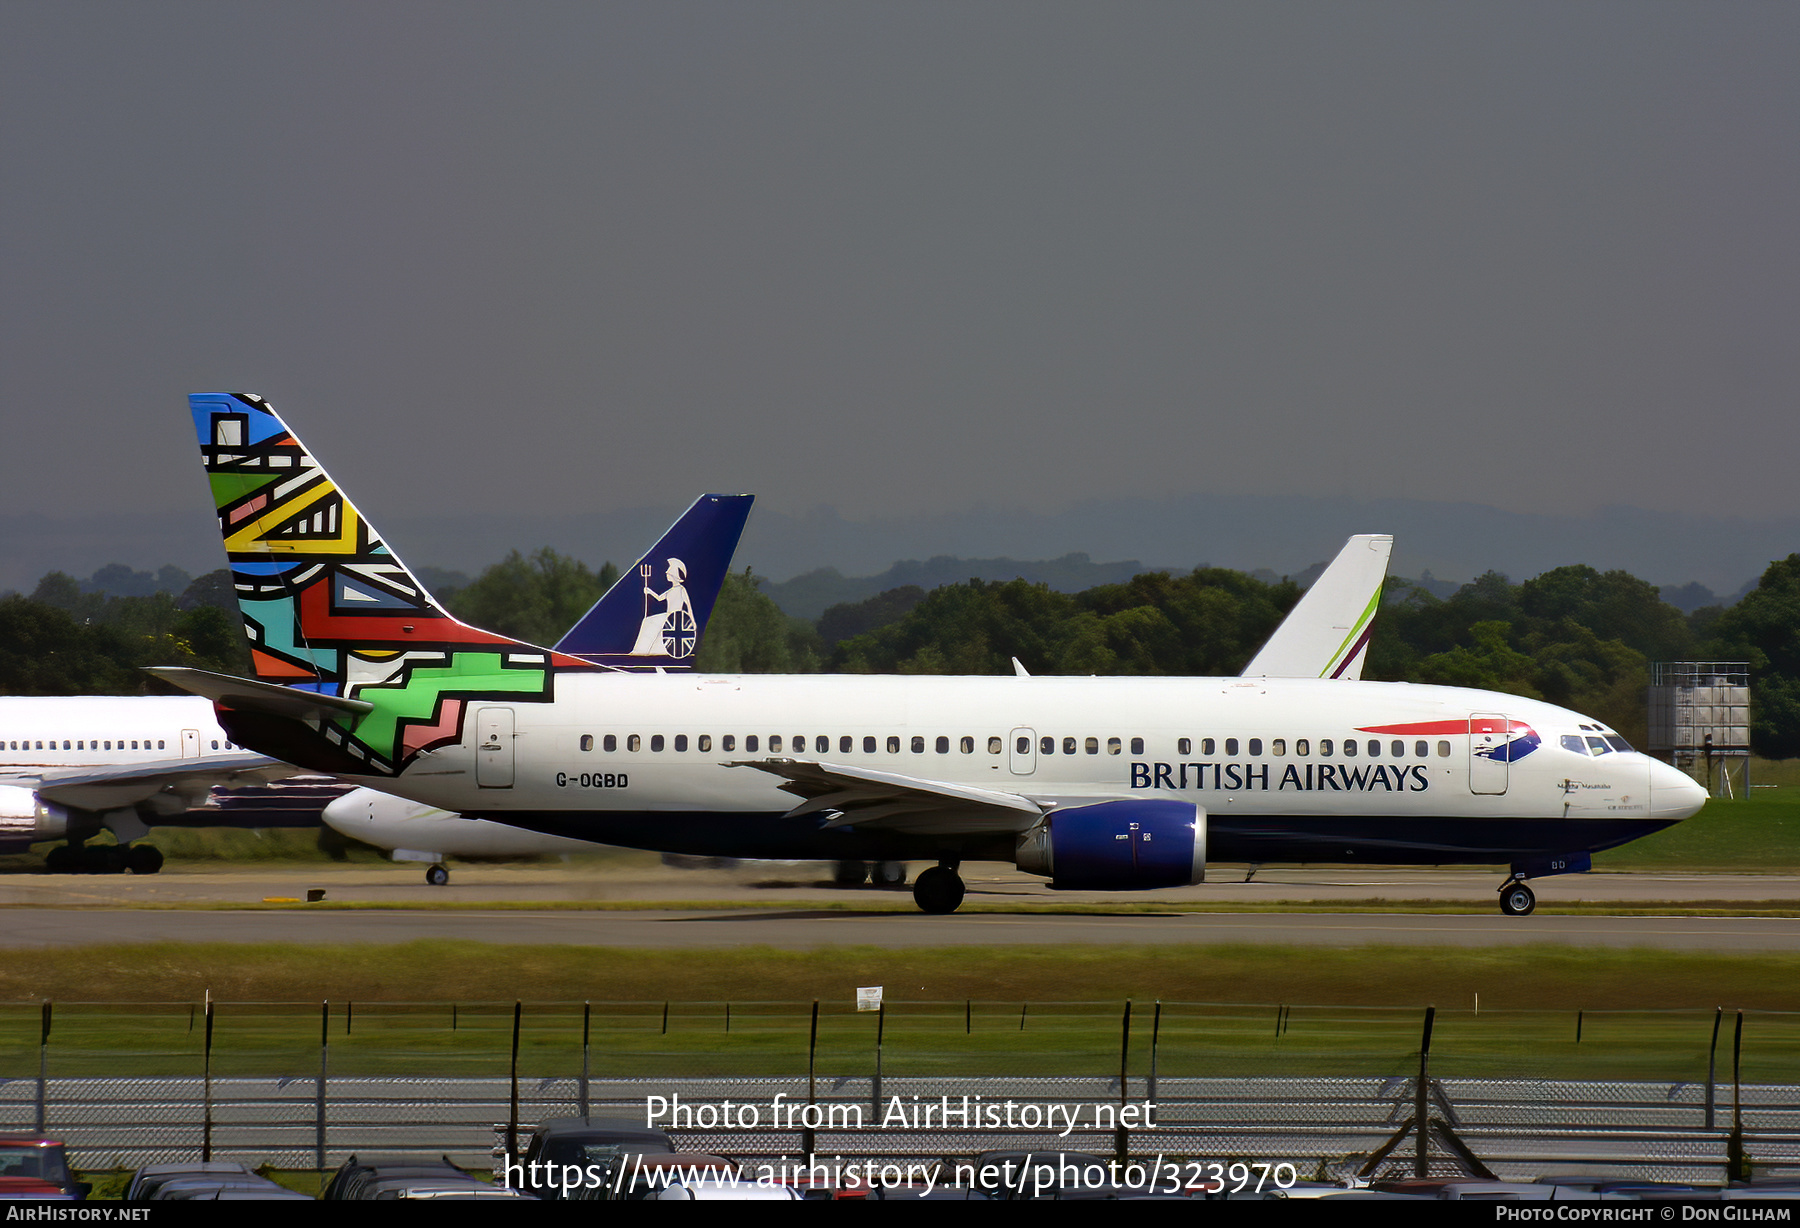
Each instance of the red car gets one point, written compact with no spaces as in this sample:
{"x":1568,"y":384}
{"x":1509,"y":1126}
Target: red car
{"x":33,"y":1162}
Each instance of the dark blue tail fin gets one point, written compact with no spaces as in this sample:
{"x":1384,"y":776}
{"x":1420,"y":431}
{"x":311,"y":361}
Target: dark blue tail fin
{"x":652,"y":618}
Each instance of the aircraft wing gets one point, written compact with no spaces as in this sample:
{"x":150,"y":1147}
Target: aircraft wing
{"x":110,"y":786}
{"x":894,"y":802}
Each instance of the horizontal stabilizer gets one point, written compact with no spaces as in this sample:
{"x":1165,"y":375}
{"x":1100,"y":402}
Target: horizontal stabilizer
{"x":247,"y":695}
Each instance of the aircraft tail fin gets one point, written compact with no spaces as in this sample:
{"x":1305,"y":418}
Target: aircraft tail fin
{"x":1326,"y":635}
{"x":326,"y":605}
{"x":636,"y":626}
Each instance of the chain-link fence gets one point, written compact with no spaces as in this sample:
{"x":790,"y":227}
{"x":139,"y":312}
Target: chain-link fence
{"x":1680,"y":1094}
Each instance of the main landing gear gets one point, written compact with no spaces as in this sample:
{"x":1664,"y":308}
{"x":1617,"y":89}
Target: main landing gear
{"x":881,"y":873}
{"x":939,"y":889}
{"x":1516,"y":899}
{"x":437,"y":876}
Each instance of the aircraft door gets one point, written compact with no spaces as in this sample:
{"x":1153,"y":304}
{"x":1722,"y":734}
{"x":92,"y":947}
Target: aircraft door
{"x":1023,"y":752}
{"x":1489,"y":768}
{"x":190,"y":743}
{"x":494,"y":748}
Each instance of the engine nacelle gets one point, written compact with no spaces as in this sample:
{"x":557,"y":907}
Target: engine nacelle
{"x":1118,"y":846}
{"x":26,"y":818}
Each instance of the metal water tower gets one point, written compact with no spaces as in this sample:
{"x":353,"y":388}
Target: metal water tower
{"x":1700,"y":719}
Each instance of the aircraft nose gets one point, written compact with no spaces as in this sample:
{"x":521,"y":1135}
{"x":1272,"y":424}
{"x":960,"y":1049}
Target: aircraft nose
{"x":1673,"y":793}
{"x":343,"y":814}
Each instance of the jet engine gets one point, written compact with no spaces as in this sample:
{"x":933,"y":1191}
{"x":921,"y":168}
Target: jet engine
{"x":1118,"y":846}
{"x":26,"y":818}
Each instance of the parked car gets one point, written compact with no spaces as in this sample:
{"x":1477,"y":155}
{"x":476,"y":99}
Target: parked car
{"x":39,"y":1158}
{"x":148,"y":1179}
{"x":356,"y":1174}
{"x":584,"y":1143}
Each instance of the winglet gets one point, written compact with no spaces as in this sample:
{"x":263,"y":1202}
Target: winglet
{"x":1327,"y":634}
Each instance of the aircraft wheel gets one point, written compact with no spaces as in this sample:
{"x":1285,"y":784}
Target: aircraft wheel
{"x":1517,"y":900}
{"x":851,"y":873}
{"x":143,"y":859}
{"x":938,"y":890}
{"x":888,"y":873}
{"x":437,"y":876}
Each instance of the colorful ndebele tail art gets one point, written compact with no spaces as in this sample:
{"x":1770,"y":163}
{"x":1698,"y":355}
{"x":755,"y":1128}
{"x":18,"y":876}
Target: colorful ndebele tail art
{"x":329,"y":609}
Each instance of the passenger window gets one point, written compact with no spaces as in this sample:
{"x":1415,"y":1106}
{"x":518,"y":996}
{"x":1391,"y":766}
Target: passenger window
{"x":774,"y":744}
{"x":1207,"y":746}
{"x":587,"y":741}
{"x":159,"y":745}
{"x":1256,"y":746}
{"x":215,"y":743}
{"x":1114,"y":746}
{"x":799,"y":744}
{"x":1024,"y":747}
{"x":1231,"y":746}
{"x":728,"y":742}
{"x":1422,"y":749}
{"x":705,"y":743}
{"x":1443,"y":750}
{"x":1047,"y":746}
{"x":994,"y":745}
{"x":1137,"y":746}
{"x":1350,"y":748}
{"x":634,"y":743}
{"x":1301,"y":747}
{"x":845,"y":744}
{"x":680,"y":743}
{"x":967,"y":745}
{"x":1397,"y":749}
{"x":822,"y":745}
{"x":1092,"y":746}
{"x":918,"y":744}
{"x":1278,"y":746}
{"x":750,"y":744}
{"x":893,"y":745}
{"x":610,"y":743}
{"x":1183,"y":746}
{"x":943,"y":745}
{"x":868,"y":746}
{"x":1068,"y":746}
{"x":656,"y":744}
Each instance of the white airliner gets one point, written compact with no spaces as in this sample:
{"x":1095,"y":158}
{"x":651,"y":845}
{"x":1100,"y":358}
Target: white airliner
{"x":1326,"y":635}
{"x":1097,"y":783}
{"x":70,"y":767}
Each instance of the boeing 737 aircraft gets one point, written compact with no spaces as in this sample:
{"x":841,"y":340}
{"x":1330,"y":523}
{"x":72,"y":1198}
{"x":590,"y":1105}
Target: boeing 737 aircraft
{"x":1326,"y":635}
{"x":62,"y":777}
{"x":1096,"y":783}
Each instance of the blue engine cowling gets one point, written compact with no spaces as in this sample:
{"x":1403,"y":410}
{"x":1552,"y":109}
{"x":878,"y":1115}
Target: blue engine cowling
{"x":1118,"y":846}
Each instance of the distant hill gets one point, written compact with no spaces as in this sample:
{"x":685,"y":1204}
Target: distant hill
{"x":809,"y":595}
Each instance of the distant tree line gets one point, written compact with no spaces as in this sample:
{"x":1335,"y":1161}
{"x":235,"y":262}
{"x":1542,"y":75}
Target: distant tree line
{"x":1574,"y":636}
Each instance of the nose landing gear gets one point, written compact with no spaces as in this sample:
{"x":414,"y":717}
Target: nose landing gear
{"x":1516,"y":899}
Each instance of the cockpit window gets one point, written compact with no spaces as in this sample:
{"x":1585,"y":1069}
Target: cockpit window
{"x":1598,"y":746}
{"x":1617,"y":743}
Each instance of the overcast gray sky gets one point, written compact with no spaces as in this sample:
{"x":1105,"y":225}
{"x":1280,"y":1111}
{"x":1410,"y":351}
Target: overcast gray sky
{"x":905,"y":257}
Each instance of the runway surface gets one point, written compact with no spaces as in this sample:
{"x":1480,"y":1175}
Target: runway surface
{"x":65,"y":911}
{"x":805,"y":929}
